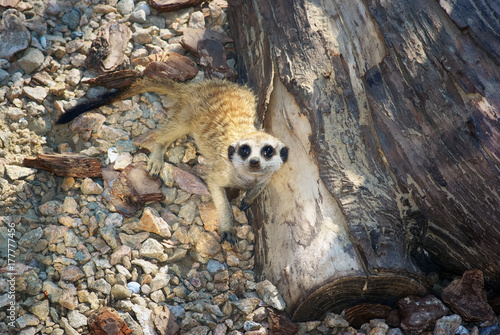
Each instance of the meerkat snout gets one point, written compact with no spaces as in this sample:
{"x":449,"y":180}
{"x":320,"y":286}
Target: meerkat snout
{"x":254,"y":163}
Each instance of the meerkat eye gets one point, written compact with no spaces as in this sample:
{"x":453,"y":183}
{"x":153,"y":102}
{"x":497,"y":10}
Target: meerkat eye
{"x":244,"y":151}
{"x":268,"y":151}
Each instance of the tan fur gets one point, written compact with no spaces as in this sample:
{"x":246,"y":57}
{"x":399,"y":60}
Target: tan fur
{"x":221,"y":117}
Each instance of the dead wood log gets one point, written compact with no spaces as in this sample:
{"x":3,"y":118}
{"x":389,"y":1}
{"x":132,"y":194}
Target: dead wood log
{"x":66,"y":165}
{"x":390,"y":110}
{"x":173,"y":5}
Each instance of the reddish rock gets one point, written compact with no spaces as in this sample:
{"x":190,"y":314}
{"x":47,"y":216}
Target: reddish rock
{"x":119,"y":253}
{"x":153,"y":223}
{"x":107,"y":321}
{"x":466,"y":296}
{"x":190,"y":183}
{"x":280,"y":323}
{"x":168,"y":65}
{"x":213,"y":60}
{"x":193,"y":36}
{"x":72,"y":273}
{"x":420,"y":314}
{"x":209,"y":216}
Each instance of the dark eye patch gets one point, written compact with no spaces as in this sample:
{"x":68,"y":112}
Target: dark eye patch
{"x":244,"y":151}
{"x":267,"y":151}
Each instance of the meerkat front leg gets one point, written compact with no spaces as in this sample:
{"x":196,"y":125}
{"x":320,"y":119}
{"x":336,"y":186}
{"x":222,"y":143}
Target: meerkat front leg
{"x":225,"y":212}
{"x":165,"y":136}
{"x":156,"y":159}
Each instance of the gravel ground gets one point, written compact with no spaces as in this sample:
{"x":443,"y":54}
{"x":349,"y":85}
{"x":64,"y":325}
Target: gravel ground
{"x":72,"y":252}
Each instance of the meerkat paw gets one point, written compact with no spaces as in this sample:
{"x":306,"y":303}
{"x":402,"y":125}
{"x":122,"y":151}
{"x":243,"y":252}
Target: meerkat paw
{"x":155,"y":165}
{"x":229,"y":236}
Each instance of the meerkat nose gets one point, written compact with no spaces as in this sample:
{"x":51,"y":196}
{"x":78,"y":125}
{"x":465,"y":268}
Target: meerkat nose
{"x":254,"y":163}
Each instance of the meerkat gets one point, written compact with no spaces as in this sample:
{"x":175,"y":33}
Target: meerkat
{"x":221,"y":118}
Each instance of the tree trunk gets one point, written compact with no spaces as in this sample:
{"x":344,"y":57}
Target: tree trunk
{"x":390,"y":109}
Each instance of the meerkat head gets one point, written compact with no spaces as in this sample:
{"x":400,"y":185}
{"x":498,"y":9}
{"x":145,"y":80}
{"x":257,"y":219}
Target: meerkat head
{"x":258,"y":154}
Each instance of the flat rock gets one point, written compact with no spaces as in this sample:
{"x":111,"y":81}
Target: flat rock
{"x":193,"y":36}
{"x":151,"y":248}
{"x":15,"y":36}
{"x":27,"y":320}
{"x":68,"y":297}
{"x":209,"y":216}
{"x":117,"y":256}
{"x":31,"y":238}
{"x":213,"y":60}
{"x":146,"y":266}
{"x":41,"y":309}
{"x":106,"y":320}
{"x":88,"y":121}
{"x":68,"y":329}
{"x":160,"y":281}
{"x":31,"y":60}
{"x":51,"y":208}
{"x":77,"y":319}
{"x":153,"y":223}
{"x":168,"y":64}
{"x":102,"y":286}
{"x":420,"y":314}
{"x":207,"y":245}
{"x":72,"y":273}
{"x":15,"y":172}
{"x":246,"y":306}
{"x":90,"y":187}
{"x":72,"y":18}
{"x":270,"y":295}
{"x":165,"y":321}
{"x":15,"y":113}
{"x":120,"y":292}
{"x":447,"y":325}
{"x":125,"y":7}
{"x":189,"y":182}
{"x":466,"y":296}
{"x":37,"y":93}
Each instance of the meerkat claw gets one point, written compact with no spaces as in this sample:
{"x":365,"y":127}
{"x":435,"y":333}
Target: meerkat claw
{"x":229,"y":237}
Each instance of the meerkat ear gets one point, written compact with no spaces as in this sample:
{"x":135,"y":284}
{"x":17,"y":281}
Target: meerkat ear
{"x":230,"y":152}
{"x":284,"y":154}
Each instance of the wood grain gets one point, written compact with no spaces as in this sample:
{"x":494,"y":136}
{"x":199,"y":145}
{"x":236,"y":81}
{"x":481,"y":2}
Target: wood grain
{"x":390,"y":110}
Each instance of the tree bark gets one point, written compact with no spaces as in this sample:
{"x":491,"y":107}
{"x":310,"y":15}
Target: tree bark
{"x":390,"y":109}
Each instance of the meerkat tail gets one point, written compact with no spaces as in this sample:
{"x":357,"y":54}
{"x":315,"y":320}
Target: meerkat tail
{"x":141,"y":85}
{"x":87,"y":105}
